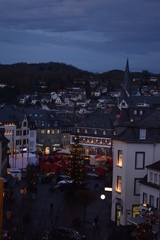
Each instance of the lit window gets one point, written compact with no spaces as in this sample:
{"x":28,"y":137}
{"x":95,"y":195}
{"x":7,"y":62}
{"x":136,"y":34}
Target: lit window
{"x":42,"y":131}
{"x":142,"y":134}
{"x":104,"y":132}
{"x":58,"y":131}
{"x":52,"y":131}
{"x":78,"y":130}
{"x":95,"y":131}
{"x":48,"y":131}
{"x":119,"y":160}
{"x":85,"y":130}
{"x":119,"y":183}
{"x":144,"y":199}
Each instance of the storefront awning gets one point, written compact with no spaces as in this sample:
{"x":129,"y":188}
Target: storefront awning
{"x":137,"y":220}
{"x":140,"y":220}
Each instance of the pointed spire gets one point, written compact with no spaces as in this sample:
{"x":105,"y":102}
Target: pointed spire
{"x":126,"y":80}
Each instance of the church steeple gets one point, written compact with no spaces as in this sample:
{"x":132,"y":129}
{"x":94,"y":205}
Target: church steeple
{"x":126,"y":90}
{"x":126,"y":81}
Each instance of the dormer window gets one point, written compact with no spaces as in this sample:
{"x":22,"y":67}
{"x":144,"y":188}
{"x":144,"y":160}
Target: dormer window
{"x":141,"y":112}
{"x":142,"y":134}
{"x":135,"y":112}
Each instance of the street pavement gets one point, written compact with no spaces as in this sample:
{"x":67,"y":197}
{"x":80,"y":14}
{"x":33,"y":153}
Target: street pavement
{"x":30,"y":217}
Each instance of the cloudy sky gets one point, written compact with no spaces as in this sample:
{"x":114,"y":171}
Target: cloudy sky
{"x":93,"y":35}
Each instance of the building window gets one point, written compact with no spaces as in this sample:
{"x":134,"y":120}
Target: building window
{"x":52,"y":131}
{"x":85,"y":130}
{"x":104,"y":132}
{"x":119,"y":184}
{"x":119,"y":160}
{"x":142,"y":134}
{"x":144,"y":199}
{"x":141,"y":112}
{"x":135,"y":211}
{"x":157,"y":203}
{"x":150,"y":176}
{"x":58,"y":131}
{"x":48,"y":131}
{"x":78,"y":130}
{"x":151,"y":200}
{"x":24,"y":132}
{"x":137,"y":186}
{"x":139,"y":160}
{"x":42,"y":131}
{"x":135,"y":112}
{"x":155,"y":178}
{"x":95,"y":131}
{"x":42,"y":123}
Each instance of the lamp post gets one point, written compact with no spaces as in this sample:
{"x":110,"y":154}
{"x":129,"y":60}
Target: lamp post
{"x":107,"y":190}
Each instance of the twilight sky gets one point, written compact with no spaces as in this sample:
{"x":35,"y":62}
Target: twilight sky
{"x":93,"y":35}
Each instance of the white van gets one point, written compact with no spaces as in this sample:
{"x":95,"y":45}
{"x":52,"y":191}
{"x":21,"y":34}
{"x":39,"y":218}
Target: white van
{"x":15,"y":172}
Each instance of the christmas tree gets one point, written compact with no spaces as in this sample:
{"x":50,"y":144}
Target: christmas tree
{"x":75,"y":170}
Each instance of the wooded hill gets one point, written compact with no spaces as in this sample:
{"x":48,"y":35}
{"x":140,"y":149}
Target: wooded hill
{"x":27,"y":78}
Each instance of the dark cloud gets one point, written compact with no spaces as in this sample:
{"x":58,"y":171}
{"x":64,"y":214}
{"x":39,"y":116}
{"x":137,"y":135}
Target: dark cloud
{"x":105,"y":28}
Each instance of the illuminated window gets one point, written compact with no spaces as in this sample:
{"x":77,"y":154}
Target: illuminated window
{"x":119,"y":183}
{"x":104,"y":132}
{"x":48,"y":131}
{"x":58,"y":131}
{"x":135,"y":211}
{"x":85,"y":130}
{"x":78,"y":130}
{"x":42,"y":131}
{"x":144,"y":199}
{"x":47,"y":150}
{"x":95,"y":131}
{"x":52,"y":131}
{"x":119,"y":160}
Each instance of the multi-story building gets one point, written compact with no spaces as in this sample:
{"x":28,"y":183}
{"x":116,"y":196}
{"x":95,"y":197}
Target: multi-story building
{"x":3,"y":153}
{"x":95,"y":135}
{"x":17,"y":130}
{"x":53,"y":133}
{"x":136,"y":144}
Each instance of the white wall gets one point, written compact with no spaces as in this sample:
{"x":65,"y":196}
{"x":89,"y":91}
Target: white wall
{"x":129,"y":173}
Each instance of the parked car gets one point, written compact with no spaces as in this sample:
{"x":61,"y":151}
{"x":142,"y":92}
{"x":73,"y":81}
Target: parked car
{"x":63,"y":233}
